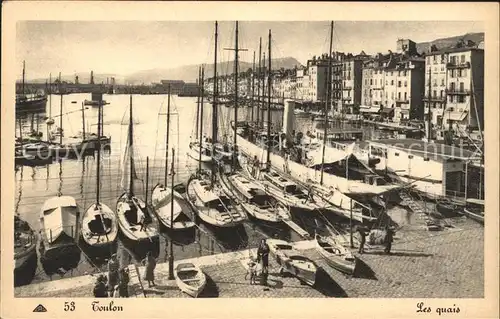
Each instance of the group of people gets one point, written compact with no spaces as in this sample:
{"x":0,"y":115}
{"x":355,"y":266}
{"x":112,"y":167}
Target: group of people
{"x":388,"y":239}
{"x":115,"y":284}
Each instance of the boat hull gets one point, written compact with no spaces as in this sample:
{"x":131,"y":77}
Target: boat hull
{"x":33,"y":104}
{"x":477,"y":217}
{"x":191,"y":285}
{"x":446,"y":209}
{"x":335,"y":261}
{"x":181,"y":207}
{"x":132,"y":231}
{"x":194,"y":153}
{"x":102,"y":242}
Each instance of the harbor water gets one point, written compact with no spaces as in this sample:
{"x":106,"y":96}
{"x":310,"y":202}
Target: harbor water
{"x":77,"y":177}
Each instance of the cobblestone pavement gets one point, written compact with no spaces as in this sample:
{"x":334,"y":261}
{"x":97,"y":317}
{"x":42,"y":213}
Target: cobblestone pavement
{"x":438,"y":264}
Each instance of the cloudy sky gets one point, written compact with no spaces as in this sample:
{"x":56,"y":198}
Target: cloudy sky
{"x":123,"y":47}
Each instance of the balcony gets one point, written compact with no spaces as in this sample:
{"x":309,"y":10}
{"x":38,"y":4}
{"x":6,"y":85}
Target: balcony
{"x":402,"y":101}
{"x":347,"y":98}
{"x":457,"y":91}
{"x":458,"y":65}
{"x":434,"y":99}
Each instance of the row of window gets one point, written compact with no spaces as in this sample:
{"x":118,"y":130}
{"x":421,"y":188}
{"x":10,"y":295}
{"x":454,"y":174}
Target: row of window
{"x":442,"y":59}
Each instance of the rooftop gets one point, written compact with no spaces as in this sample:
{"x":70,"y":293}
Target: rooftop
{"x":453,"y":50}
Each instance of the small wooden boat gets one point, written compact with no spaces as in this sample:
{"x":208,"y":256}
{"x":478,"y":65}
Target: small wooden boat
{"x":211,"y":205}
{"x":59,"y":219}
{"x":131,"y":210}
{"x":38,"y":150}
{"x":254,"y":200}
{"x":190,"y":279}
{"x":161,"y":201}
{"x":335,"y":254}
{"x":292,"y":261}
{"x":474,"y":209}
{"x":25,"y":255}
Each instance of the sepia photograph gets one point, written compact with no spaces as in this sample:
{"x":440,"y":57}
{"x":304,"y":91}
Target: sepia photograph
{"x":248,"y":158}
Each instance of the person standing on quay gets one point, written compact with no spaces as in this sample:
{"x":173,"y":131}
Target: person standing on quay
{"x":150,"y":263}
{"x":113,"y":276}
{"x":362,"y":235}
{"x":124,"y":280}
{"x":389,"y":237}
{"x":263,"y":255}
{"x":100,"y":287}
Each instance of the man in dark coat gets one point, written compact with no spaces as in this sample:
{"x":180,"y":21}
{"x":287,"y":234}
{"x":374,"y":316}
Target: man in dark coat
{"x":100,"y":290}
{"x":389,"y":237}
{"x":362,"y":235}
{"x":263,"y":255}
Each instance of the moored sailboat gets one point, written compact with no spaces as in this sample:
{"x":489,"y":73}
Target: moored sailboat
{"x":99,"y":223}
{"x":132,"y":211}
{"x":25,"y":255}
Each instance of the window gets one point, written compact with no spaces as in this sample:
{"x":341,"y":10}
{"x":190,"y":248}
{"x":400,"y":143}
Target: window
{"x":371,"y":81}
{"x":392,"y":82}
{"x":396,"y":154}
{"x":450,"y":98}
{"x":434,"y":93}
{"x":435,"y":59}
{"x":386,"y":95}
{"x":406,"y":83}
{"x":399,"y":84}
{"x":410,"y":156}
{"x":399,"y":95}
{"x":405,"y":96}
{"x":442,"y":93}
{"x":461,"y":99}
{"x":386,"y":82}
{"x":442,"y":82}
{"x":392,"y":95}
{"x":462,"y":58}
{"x":426,"y":159}
{"x":461,"y":87}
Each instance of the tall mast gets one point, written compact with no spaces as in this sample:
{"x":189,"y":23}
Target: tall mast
{"x":98,"y":186}
{"x":202,"y":92}
{"x":60,"y":111}
{"x":24,"y":64}
{"x":328,"y":97}
{"x":168,"y":136}
{"x":253,"y":87}
{"x":263,"y":86}
{"x":269,"y":106}
{"x":50,"y":95}
{"x":235,"y":96}
{"x":429,"y":108}
{"x":83,"y":120}
{"x":214,"y":109}
{"x":130,"y":152}
{"x":198,"y":103}
{"x":258,"y":81}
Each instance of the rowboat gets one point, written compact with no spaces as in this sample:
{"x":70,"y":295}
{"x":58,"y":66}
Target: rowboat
{"x":292,"y":261}
{"x":162,"y":201}
{"x":474,"y":209}
{"x":335,"y":254}
{"x":190,"y":279}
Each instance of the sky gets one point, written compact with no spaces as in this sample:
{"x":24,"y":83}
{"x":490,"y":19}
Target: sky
{"x":124,"y":47}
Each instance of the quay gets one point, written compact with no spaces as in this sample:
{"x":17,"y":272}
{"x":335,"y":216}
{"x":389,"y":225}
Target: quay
{"x":422,"y":264}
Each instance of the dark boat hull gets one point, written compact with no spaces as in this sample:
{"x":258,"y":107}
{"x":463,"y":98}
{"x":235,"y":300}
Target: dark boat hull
{"x":25,"y":269}
{"x":29,"y":105}
{"x":60,"y":258}
{"x":447,"y":210}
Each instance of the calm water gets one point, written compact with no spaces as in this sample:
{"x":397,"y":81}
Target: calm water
{"x":77,"y":178}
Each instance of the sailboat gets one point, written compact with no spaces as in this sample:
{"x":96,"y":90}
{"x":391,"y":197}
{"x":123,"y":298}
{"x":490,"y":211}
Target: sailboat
{"x":162,"y":196}
{"x":25,"y":256}
{"x":27,"y":102}
{"x":207,"y":200}
{"x":200,"y":149}
{"x":304,"y":173}
{"x":131,"y":210}
{"x":99,"y":223}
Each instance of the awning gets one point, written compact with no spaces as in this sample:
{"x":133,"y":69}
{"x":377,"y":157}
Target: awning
{"x":454,"y":115}
{"x":369,"y":109}
{"x":387,"y":111}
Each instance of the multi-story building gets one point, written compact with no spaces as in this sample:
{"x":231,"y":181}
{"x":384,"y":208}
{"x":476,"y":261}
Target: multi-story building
{"x":455,"y":95}
{"x":352,"y":75}
{"x":409,"y":89}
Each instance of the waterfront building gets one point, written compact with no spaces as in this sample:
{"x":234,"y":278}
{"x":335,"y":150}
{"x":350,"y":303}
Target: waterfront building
{"x":456,"y":89}
{"x":175,"y":85}
{"x":434,"y":169}
{"x":352,"y":76}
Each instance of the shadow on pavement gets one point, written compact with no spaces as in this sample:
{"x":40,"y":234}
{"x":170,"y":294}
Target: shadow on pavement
{"x":327,"y":286}
{"x":364,"y":271}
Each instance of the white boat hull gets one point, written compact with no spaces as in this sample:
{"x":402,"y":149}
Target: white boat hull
{"x":133,"y":230}
{"x":162,"y":207}
{"x":91,"y":215}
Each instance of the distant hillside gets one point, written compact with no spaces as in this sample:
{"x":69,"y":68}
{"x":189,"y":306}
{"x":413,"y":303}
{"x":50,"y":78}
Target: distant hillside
{"x":189,"y":73}
{"x":83,"y":77}
{"x":449,"y":42}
